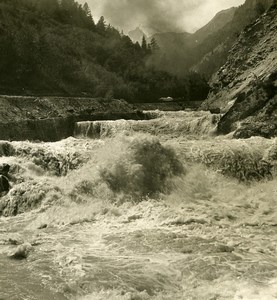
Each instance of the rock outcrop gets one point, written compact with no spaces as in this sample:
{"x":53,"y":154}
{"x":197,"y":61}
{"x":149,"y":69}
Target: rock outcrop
{"x":245,"y":87}
{"x":21,"y":252}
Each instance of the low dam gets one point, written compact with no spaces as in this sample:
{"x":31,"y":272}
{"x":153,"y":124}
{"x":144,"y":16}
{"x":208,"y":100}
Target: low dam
{"x":53,"y":118}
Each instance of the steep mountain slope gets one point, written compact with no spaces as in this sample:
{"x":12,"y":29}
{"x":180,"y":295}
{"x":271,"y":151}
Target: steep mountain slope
{"x":177,"y":50}
{"x":206,"y":50}
{"x":246,"y":86}
{"x":218,"y":22}
{"x":212,"y":53}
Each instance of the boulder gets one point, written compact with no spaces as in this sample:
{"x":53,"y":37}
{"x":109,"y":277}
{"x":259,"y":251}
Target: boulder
{"x":4,"y":184}
{"x":21,"y":252}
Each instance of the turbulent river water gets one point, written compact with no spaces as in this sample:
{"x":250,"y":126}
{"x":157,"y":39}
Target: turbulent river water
{"x":135,"y":210}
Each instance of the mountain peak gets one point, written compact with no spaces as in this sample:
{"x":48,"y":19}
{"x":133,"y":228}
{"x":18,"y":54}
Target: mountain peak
{"x":137,"y":34}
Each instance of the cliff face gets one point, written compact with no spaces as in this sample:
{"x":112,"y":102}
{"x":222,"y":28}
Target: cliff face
{"x":213,"y":51}
{"x":245,"y":87}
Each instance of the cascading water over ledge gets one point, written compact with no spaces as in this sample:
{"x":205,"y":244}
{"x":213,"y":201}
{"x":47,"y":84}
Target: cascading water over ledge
{"x":165,"y":123}
{"x":53,"y":118}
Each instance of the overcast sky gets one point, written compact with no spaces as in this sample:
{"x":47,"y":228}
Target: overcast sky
{"x":158,"y":15}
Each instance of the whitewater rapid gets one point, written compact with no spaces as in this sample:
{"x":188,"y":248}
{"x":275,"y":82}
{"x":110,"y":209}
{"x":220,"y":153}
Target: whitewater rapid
{"x":158,"y":209}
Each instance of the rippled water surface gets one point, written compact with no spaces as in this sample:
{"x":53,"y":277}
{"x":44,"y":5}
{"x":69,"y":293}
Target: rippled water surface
{"x":136,"y":210}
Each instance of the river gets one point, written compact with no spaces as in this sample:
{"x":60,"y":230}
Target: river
{"x":159,"y":209}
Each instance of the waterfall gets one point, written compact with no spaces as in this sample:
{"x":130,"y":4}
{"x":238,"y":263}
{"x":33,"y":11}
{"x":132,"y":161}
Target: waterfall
{"x":166,"y":123}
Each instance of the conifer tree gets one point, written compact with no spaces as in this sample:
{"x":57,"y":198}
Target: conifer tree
{"x":137,"y":46}
{"x":154,"y":45}
{"x":87,"y":10}
{"x":101,"y":24}
{"x":88,"y":15}
{"x":144,"y":44}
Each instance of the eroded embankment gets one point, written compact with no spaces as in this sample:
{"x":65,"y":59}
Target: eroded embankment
{"x":53,"y":118}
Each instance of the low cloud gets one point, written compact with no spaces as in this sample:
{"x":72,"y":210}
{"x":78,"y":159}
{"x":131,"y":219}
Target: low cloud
{"x":159,"y":15}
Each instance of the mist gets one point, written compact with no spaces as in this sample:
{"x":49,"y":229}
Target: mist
{"x":159,"y":16}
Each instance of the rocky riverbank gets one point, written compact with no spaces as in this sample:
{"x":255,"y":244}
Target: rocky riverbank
{"x":53,"y":118}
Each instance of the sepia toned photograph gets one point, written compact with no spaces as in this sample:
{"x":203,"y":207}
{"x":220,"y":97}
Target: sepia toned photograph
{"x":138,"y":149}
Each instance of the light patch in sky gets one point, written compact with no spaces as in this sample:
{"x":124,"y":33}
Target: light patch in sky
{"x":158,"y":15}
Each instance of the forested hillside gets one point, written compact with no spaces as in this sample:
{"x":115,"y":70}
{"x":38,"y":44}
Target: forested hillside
{"x":55,"y":47}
